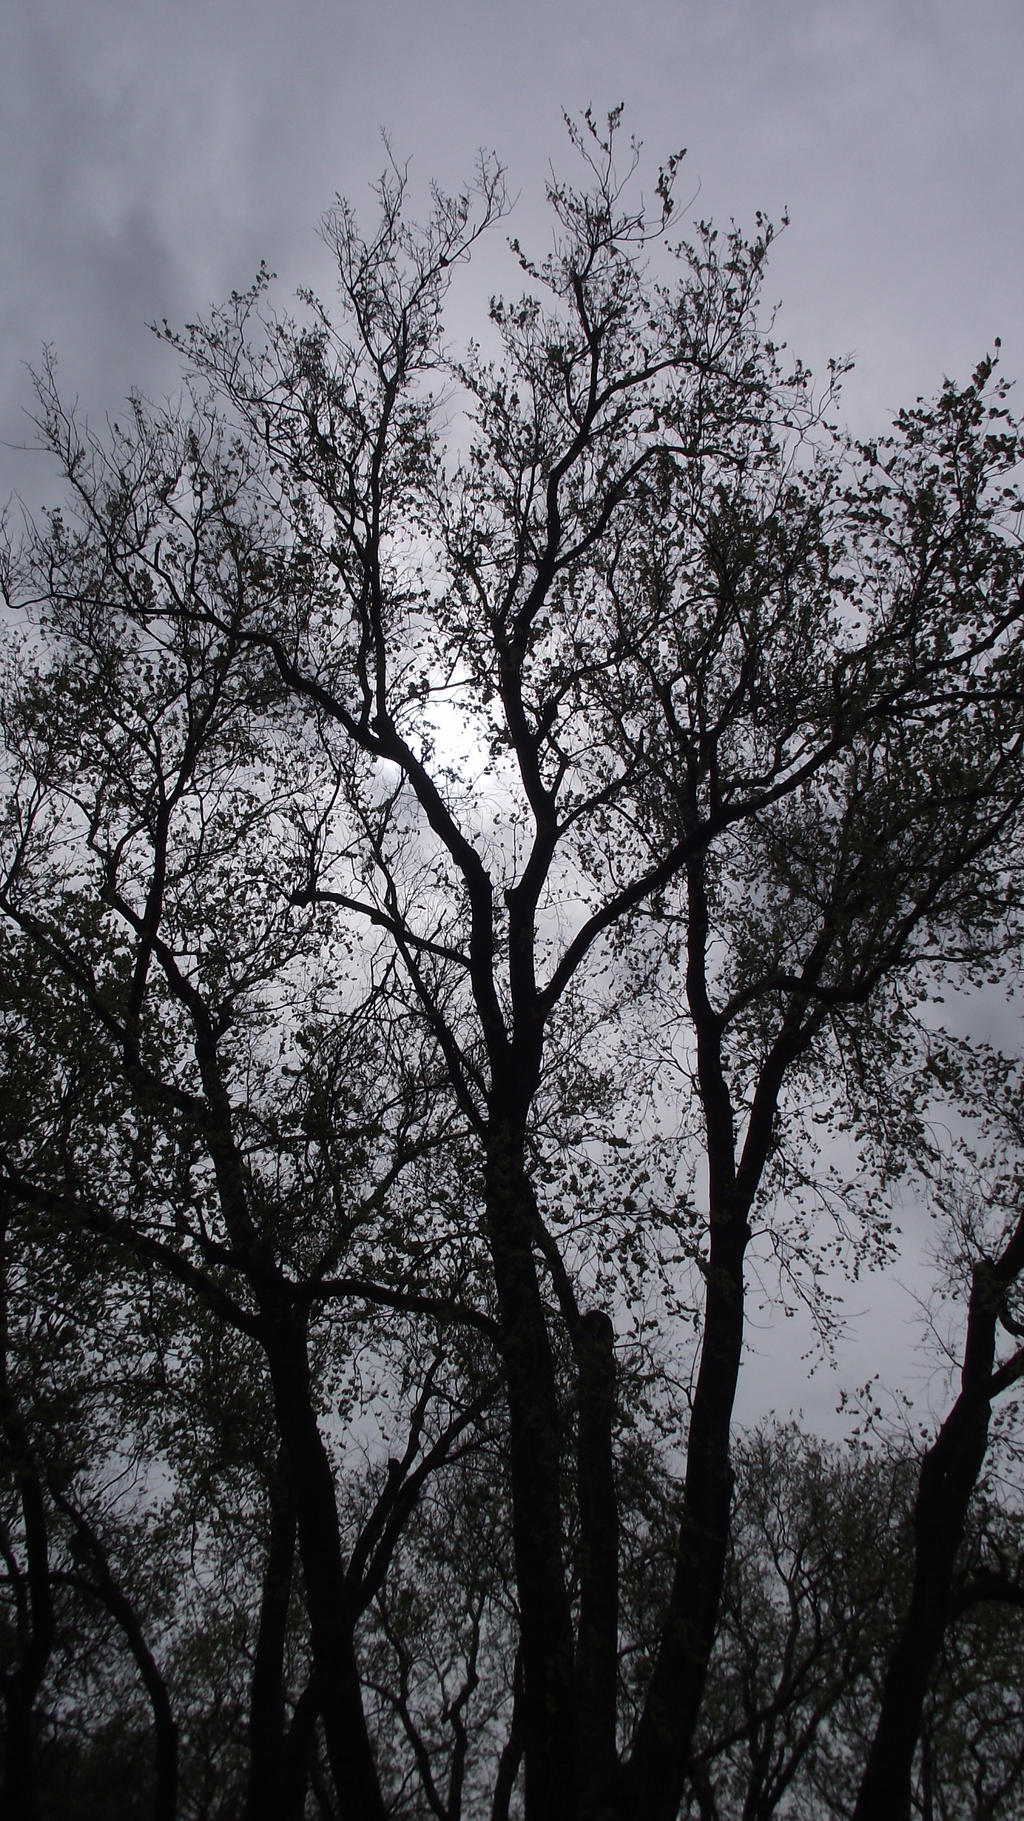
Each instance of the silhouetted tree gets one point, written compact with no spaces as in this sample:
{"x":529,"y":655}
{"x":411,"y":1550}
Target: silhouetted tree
{"x":538,"y":737}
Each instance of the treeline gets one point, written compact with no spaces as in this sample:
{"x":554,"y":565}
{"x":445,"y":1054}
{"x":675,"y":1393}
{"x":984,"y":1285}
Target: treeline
{"x":175,"y":1671}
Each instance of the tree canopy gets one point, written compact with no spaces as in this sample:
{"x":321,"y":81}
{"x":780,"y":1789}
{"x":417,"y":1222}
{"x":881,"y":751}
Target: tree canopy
{"x":485,"y":838}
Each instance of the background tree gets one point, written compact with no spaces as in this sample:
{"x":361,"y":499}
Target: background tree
{"x":987,"y":1228}
{"x":75,"y":1614}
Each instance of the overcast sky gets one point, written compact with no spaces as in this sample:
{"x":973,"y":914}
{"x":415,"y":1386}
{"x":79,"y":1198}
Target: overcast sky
{"x":152,"y":154}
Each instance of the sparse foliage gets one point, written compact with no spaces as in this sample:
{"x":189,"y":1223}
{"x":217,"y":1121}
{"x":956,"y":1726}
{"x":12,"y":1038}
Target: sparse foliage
{"x":473,"y":824}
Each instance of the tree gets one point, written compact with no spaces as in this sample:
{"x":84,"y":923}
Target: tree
{"x":572,"y":724}
{"x":169,"y":1127}
{"x":987,"y":1222}
{"x":817,"y":1582}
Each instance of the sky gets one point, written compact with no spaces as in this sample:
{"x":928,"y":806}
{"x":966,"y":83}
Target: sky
{"x":151,"y":155}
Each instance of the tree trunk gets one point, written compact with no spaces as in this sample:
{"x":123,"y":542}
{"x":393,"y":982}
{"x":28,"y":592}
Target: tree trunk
{"x":165,"y":1794}
{"x":300,"y":1745}
{"x":657,"y":1769}
{"x":18,"y":1794}
{"x":535,"y":1443}
{"x":265,"y":1799}
{"x":328,"y":1603}
{"x":947,"y":1479}
{"x":512,"y":1750}
{"x":21,"y":1683}
{"x":654,"y":1778}
{"x":597,"y":1639}
{"x":98,"y":1582}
